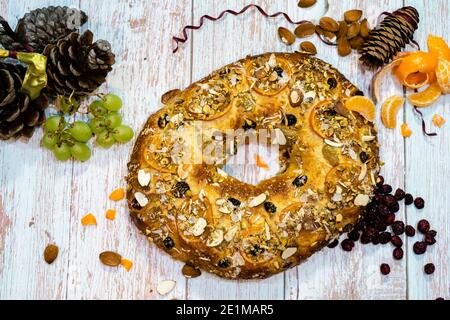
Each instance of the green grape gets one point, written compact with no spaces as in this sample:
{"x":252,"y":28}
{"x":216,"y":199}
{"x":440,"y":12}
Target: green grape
{"x":105,"y":139}
{"x":62,"y":152}
{"x":97,"y":108}
{"x":53,"y":123}
{"x":49,"y":140}
{"x":80,"y":151}
{"x":97,"y":125}
{"x":69,"y":105}
{"x":80,"y":131}
{"x":123,"y":133}
{"x":112,"y":102}
{"x":113,"y":120}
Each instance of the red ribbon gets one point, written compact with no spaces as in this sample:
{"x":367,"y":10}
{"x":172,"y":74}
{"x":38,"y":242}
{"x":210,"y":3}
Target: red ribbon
{"x":184,"y":38}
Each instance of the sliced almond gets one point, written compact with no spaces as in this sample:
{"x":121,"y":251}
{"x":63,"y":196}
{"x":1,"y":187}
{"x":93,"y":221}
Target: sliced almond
{"x":305,"y":30}
{"x":256,"y":201}
{"x":111,"y":259}
{"x":333,"y":143}
{"x":306,"y":3}
{"x":224,"y":209}
{"x":279,"y":136}
{"x":51,"y":253}
{"x":295,"y":98}
{"x":182,"y":173}
{"x":329,"y":24}
{"x":199,"y":227}
{"x":363,"y":172}
{"x":368,"y":138}
{"x":144,"y":177}
{"x":289,"y":252}
{"x":165,"y":287}
{"x":272,"y":61}
{"x":141,"y":199}
{"x":352,"y":15}
{"x":309,"y":47}
{"x":361,"y":200}
{"x":286,"y":36}
{"x":231,"y":233}
{"x":222,"y":173}
{"x":215,"y":239}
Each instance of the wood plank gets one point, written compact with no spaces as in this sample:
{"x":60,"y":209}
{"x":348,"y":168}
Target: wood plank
{"x":145,"y":69}
{"x":335,"y":274}
{"x":35,"y":195}
{"x":427,"y":171}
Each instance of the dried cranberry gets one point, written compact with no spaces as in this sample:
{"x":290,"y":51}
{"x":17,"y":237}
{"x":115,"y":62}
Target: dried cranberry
{"x":384,"y":237}
{"x":396,"y":241}
{"x":385,"y":269}
{"x":429,"y":240}
{"x":397,"y":253}
{"x":429,"y":268}
{"x":423,"y":226}
{"x":390,"y":218}
{"x":419,"y":203}
{"x":291,"y":119}
{"x":359,"y":93}
{"x":378,"y":198}
{"x":419,"y":247}
{"x":359,"y":226}
{"x":440,"y":298}
{"x":365,"y":239}
{"x":383,"y":210}
{"x":410,"y":231}
{"x":347,"y":245}
{"x":398,"y":227}
{"x":385,"y":189}
{"x":389,"y":200}
{"x":408,"y":199}
{"x":431,"y":233}
{"x":376,"y":240}
{"x":395,"y":207}
{"x":333,"y":244}
{"x":353,"y":235}
{"x":399,"y":194}
{"x":380,"y":181}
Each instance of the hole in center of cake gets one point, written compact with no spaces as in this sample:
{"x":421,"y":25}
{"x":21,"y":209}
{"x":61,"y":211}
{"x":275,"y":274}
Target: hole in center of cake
{"x":255,"y":162}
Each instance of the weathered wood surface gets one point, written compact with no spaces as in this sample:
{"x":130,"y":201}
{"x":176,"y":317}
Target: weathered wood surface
{"x":42,"y":200}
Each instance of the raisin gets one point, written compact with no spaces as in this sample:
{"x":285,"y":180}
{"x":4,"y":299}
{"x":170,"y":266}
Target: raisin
{"x":291,"y":119}
{"x":181,"y":188}
{"x":249,"y":124}
{"x":163,"y":121}
{"x":300,"y":181}
{"x":279,"y":71}
{"x":364,"y":157}
{"x":168,"y":243}
{"x":332,"y":83}
{"x":224,"y":263}
{"x":235,"y":202}
{"x":270,"y":207}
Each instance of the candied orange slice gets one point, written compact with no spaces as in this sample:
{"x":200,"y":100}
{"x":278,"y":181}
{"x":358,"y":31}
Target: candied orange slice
{"x":443,"y":75}
{"x":438,"y":47}
{"x":389,"y":111}
{"x":363,"y":105}
{"x":438,"y":121}
{"x":414,"y":71}
{"x":405,"y":130}
{"x":426,"y":97}
{"x":314,"y":120}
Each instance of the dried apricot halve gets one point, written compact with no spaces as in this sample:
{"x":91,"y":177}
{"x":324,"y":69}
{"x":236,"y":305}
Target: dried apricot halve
{"x":426,"y":97}
{"x":416,"y":69}
{"x":443,"y":75}
{"x":362,"y":105}
{"x":389,"y":111}
{"x":438,"y":47}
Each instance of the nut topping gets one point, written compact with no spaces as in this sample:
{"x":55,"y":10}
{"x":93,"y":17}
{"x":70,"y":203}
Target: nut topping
{"x":144,"y":177}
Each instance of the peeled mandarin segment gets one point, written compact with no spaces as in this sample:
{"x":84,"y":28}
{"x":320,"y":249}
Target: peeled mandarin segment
{"x":438,"y":121}
{"x":389,"y":111}
{"x":438,"y":47}
{"x":89,"y":219}
{"x":427,"y":97}
{"x":443,"y":75}
{"x":405,"y":130}
{"x":408,"y":72}
{"x":127,"y":264}
{"x":363,"y":105}
{"x":117,"y":194}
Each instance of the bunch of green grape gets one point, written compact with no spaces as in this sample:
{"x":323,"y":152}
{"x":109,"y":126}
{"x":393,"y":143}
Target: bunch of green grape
{"x":68,"y":140}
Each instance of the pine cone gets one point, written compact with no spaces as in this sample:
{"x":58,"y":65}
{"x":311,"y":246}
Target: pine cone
{"x":77,"y":65}
{"x":19,"y":115}
{"x":41,"y":27}
{"x":394,"y":32}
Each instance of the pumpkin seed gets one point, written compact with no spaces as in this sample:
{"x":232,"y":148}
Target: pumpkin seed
{"x":190,"y":272}
{"x":305,"y":30}
{"x":343,"y":29}
{"x":286,"y":36}
{"x":353,"y":30}
{"x":111,"y":259}
{"x":51,"y":253}
{"x":357,"y":42}
{"x":309,"y":47}
{"x":306,"y":3}
{"x":329,"y":24}
{"x":352,"y":15}
{"x":344,"y":48}
{"x":365,"y":29}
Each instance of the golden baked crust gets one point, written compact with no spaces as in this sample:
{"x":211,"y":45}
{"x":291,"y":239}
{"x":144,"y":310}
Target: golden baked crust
{"x":200,"y":215}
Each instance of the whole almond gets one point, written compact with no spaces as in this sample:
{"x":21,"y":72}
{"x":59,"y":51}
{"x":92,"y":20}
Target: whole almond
{"x":365,"y":29}
{"x":352,"y":15}
{"x":343,"y":29}
{"x":329,"y":35}
{"x":190,"y":272}
{"x":305,"y":30}
{"x":306,"y":3}
{"x":286,"y":36}
{"x":344,"y":48}
{"x":309,"y":47}
{"x":329,"y":24}
{"x":356,"y":42}
{"x":51,"y":253}
{"x":109,"y":258}
{"x":353,"y":30}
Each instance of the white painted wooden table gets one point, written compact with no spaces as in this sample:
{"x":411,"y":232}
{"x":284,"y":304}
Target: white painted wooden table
{"x":42,"y":200}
